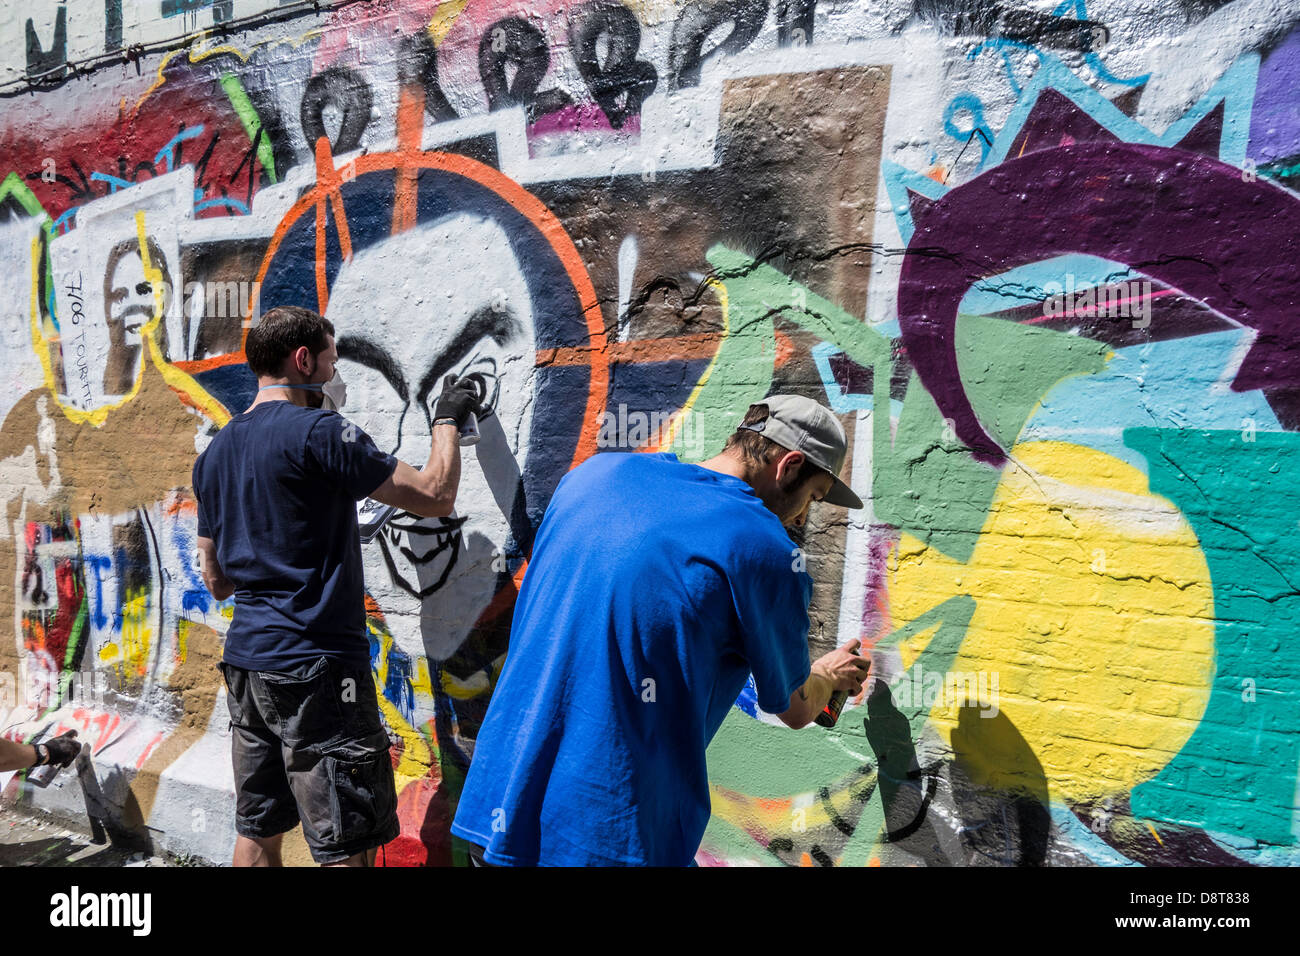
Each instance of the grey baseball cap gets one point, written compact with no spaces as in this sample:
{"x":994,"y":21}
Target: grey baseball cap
{"x":800,"y":424}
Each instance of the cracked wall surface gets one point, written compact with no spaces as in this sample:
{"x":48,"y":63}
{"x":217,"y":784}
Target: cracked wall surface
{"x":1040,"y":260}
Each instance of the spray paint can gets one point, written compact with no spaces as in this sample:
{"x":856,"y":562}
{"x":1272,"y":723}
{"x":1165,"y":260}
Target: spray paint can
{"x":469,"y":434}
{"x":42,"y":776}
{"x":831,"y":714}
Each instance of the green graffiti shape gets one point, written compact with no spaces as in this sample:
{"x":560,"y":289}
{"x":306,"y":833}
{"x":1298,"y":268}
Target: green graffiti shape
{"x":1236,"y":773}
{"x":769,"y":762}
{"x":13,"y":187}
{"x":739,"y":375}
{"x":925,"y":481}
{"x":251,"y":122}
{"x":893,"y":731}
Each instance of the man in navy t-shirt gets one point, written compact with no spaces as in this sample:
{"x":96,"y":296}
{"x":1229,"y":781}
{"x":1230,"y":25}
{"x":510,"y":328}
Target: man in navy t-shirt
{"x":655,"y":589}
{"x":277,"y":528}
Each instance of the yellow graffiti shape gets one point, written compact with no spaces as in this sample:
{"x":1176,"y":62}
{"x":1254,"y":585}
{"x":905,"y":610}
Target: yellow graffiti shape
{"x":812,"y":817}
{"x":131,"y":655}
{"x":688,"y":408}
{"x":444,"y":18}
{"x":416,"y":754}
{"x":173,"y":376}
{"x":1094,"y":615}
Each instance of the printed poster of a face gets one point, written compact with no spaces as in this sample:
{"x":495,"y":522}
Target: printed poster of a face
{"x":104,"y":299}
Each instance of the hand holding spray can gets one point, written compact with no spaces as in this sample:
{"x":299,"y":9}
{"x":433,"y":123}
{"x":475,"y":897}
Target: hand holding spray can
{"x":831,"y":714}
{"x":57,"y":753}
{"x":469,"y":431}
{"x":461,"y":399}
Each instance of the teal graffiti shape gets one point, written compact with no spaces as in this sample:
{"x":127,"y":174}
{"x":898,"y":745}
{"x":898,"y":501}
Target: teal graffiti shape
{"x":1241,"y":493}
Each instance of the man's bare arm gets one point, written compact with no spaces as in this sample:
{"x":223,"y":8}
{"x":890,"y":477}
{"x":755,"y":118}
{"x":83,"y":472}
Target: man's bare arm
{"x":213,"y":576}
{"x":841,"y":669}
{"x":430,"y":492}
{"x":61,"y":750}
{"x":15,"y":756}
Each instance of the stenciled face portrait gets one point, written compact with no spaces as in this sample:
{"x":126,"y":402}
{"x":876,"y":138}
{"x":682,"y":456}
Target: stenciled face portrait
{"x":128,"y":306}
{"x":406,"y":316}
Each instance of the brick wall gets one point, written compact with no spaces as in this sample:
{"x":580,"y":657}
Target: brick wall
{"x":1040,"y":261}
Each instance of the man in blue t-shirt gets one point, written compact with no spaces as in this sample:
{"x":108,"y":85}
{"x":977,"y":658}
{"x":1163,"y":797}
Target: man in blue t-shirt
{"x":655,"y":589}
{"x":277,"y":491}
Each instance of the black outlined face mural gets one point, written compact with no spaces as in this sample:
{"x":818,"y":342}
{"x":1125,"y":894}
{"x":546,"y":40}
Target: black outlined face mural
{"x":397,"y":341}
{"x":448,"y":268}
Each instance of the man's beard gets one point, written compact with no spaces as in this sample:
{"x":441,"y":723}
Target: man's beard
{"x":783,"y":502}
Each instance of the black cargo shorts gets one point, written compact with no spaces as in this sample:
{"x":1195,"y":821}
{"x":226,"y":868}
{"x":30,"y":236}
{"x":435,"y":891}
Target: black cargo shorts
{"x":308,"y":746}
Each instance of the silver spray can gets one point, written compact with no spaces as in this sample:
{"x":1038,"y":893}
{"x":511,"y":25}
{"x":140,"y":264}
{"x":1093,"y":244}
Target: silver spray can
{"x":43,"y":775}
{"x":469,"y":431}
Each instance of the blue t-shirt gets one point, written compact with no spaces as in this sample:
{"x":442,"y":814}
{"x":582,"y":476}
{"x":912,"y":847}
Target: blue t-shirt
{"x":655,"y":588}
{"x":277,"y":490}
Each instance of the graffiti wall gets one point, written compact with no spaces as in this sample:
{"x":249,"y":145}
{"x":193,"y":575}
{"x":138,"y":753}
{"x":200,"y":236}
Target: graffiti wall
{"x":1041,"y":261}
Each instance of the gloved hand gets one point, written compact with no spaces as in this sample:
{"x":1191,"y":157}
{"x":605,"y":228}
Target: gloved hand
{"x":484,"y":410}
{"x":460,"y":397}
{"x":63,"y":749}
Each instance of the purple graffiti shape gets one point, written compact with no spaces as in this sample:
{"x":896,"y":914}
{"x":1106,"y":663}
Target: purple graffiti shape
{"x":1208,"y":229}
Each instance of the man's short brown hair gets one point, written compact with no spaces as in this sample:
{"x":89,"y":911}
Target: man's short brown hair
{"x":281,"y":332}
{"x":752,"y":447}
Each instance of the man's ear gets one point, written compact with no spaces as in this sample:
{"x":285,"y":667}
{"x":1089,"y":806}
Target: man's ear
{"x":787,"y":468}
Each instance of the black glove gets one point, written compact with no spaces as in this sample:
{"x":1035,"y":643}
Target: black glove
{"x":63,"y":749}
{"x":484,"y":410}
{"x":460,"y":397}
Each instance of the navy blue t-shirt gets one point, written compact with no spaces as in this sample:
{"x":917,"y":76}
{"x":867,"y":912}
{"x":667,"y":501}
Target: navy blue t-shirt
{"x":277,"y":490}
{"x":655,"y":588}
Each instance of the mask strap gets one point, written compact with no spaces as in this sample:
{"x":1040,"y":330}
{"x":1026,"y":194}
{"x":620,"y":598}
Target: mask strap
{"x":314,"y":388}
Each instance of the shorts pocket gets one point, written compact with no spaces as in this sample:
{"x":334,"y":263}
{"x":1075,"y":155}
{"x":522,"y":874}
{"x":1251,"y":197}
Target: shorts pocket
{"x":235,"y":681}
{"x":358,"y":701}
{"x":363,"y":795}
{"x":304,"y":702}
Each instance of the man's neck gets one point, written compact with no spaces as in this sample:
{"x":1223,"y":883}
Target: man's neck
{"x":268,"y":392}
{"x":730,"y":465}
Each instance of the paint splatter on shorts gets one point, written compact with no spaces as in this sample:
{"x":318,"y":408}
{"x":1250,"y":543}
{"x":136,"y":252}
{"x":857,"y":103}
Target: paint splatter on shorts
{"x":308,"y":745}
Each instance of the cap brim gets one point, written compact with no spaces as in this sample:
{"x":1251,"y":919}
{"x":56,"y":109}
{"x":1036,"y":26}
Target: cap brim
{"x":842,"y":495}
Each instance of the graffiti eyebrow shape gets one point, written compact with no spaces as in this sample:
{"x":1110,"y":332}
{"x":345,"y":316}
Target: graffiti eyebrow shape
{"x":360,"y":349}
{"x":499,"y":325}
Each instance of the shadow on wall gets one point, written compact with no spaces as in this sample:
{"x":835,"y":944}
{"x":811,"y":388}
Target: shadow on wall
{"x":1019,"y":837}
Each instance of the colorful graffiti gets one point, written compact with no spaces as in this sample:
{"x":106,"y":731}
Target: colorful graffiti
{"x":1044,"y":274}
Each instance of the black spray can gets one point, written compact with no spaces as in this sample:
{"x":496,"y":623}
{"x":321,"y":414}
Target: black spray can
{"x":831,"y":713}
